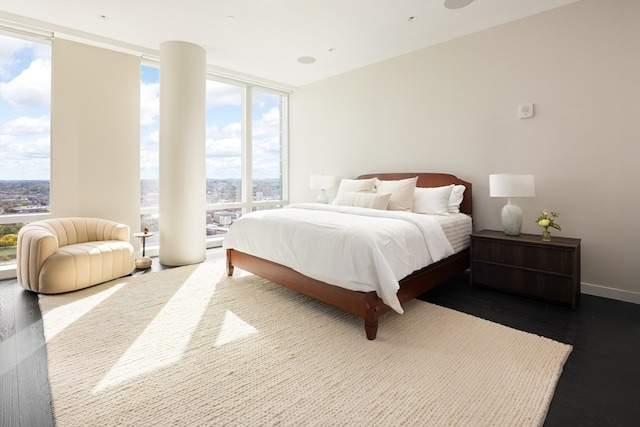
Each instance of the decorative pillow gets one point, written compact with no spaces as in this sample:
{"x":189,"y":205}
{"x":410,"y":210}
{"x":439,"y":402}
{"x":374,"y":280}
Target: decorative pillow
{"x":456,"y":198}
{"x":363,"y":200}
{"x":355,"y":186}
{"x":432,"y":200}
{"x":401,"y":193}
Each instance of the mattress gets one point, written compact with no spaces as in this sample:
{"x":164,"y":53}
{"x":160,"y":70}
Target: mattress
{"x":457,"y":228}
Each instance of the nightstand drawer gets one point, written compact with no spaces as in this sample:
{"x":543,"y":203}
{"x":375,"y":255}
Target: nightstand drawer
{"x":547,"y":258}
{"x":524,"y":282}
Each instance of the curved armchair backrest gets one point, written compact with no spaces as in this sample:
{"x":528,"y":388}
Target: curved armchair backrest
{"x":40,"y":240}
{"x":70,"y":231}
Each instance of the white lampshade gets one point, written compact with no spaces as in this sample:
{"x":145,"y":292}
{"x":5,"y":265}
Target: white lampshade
{"x":321,"y":182}
{"x":506,"y":185}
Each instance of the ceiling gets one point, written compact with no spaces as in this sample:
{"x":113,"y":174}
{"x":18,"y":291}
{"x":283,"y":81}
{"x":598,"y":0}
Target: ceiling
{"x":265,"y":38}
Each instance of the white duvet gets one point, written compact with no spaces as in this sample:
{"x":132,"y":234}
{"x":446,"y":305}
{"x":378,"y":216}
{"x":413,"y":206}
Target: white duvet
{"x":356,"y":248}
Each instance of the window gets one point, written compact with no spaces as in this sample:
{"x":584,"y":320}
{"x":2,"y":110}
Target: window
{"x":266,"y":143}
{"x":245,"y":153}
{"x":149,"y":152}
{"x":25,"y":153}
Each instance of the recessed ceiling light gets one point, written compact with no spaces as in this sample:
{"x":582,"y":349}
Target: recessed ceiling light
{"x":230,"y":17}
{"x":306,"y":60}
{"x":105,"y":17}
{"x":412,"y":18}
{"x":456,"y":4}
{"x":331,"y":50}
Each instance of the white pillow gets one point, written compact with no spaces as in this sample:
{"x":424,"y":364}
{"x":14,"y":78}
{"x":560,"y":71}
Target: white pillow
{"x":401,"y":193}
{"x":456,"y":198}
{"x":363,"y":200}
{"x":432,"y":200}
{"x":355,"y":186}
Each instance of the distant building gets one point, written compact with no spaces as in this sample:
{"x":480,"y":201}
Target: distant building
{"x":224,"y":217}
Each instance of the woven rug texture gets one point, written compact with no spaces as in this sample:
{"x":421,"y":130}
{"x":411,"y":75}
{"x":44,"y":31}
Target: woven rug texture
{"x":190,"y":347}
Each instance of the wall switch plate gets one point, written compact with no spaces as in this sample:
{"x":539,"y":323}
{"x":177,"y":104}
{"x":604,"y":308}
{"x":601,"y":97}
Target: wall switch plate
{"x":525,"y":111}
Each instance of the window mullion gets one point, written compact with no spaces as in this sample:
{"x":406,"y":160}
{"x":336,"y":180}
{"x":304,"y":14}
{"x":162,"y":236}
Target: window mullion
{"x":247,"y":157}
{"x":284,"y":148}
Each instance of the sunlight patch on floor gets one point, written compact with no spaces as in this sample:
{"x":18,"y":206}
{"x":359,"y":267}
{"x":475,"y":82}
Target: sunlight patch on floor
{"x":62,"y":317}
{"x":167,"y":336}
{"x":233,"y":328}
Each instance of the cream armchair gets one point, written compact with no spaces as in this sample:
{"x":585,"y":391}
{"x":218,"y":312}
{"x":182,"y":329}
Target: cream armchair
{"x":67,"y":254}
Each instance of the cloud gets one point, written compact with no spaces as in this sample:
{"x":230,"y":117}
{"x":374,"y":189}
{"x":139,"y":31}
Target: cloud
{"x":268,"y":124}
{"x":37,"y":148}
{"x":27,"y":126}
{"x":223,"y":95}
{"x":5,"y":140}
{"x":266,"y":134}
{"x":151,"y":140}
{"x":15,"y":51}
{"x":31,"y":88}
{"x":223,"y":167}
{"x":10,"y":46}
{"x":224,"y":142}
{"x":22,"y":158}
{"x":224,"y":147}
{"x":149,"y":103}
{"x":232,"y":130}
{"x":224,"y":151}
{"x":149,"y":155}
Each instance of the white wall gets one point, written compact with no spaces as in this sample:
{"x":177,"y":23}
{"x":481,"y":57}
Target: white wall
{"x":95,"y":133}
{"x":452,"y":108}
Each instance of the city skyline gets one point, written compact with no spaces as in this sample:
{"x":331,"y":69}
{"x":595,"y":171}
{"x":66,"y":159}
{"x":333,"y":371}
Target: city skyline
{"x":24,"y":197}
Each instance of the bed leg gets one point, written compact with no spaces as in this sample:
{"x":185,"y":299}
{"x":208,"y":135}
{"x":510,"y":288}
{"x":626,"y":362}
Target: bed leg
{"x":371,"y":329}
{"x":371,"y":318}
{"x":229,"y":264}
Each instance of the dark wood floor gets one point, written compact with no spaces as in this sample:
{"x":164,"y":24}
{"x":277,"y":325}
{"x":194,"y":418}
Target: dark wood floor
{"x":600,"y":384}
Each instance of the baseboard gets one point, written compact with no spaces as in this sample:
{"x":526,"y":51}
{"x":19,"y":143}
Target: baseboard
{"x":8,"y":272}
{"x":611,"y":293}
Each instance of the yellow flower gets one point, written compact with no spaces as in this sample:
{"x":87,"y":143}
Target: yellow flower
{"x":547,"y":220}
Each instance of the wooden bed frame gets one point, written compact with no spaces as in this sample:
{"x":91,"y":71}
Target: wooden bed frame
{"x":365,"y":304}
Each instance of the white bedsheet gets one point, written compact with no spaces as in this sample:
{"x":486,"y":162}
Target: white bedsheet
{"x":355,"y":248}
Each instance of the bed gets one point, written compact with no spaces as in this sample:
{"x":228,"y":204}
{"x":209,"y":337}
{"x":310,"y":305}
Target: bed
{"x":367,"y":304}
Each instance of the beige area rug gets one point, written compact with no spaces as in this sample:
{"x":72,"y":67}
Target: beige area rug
{"x":190,"y":347}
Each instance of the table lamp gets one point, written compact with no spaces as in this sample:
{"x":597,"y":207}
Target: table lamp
{"x":322,"y":182}
{"x":510,"y":186}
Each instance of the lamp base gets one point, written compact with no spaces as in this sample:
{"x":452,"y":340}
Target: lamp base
{"x":511,"y":219}
{"x":322,"y":198}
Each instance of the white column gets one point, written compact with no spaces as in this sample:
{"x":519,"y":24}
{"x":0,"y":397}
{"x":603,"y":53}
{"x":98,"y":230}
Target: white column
{"x":182,"y":153}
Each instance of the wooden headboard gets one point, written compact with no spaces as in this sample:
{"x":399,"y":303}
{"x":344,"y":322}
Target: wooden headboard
{"x":430,"y":180}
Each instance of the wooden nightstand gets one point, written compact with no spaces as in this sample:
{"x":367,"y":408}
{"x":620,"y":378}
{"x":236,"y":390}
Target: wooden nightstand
{"x":526,"y":265}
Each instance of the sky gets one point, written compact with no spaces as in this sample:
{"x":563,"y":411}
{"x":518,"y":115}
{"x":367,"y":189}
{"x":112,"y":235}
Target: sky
{"x":25,"y":99}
